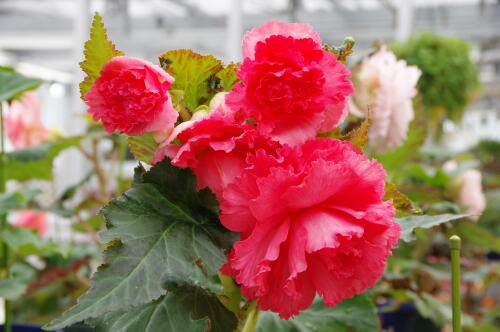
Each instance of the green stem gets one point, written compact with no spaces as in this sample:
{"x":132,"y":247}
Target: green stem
{"x":122,"y":146}
{"x":232,"y":293}
{"x":455,"y":243}
{"x":253,"y":315}
{"x":3,"y":223}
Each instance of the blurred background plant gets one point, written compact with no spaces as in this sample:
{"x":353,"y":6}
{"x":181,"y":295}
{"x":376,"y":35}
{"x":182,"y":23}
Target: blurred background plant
{"x":45,"y":267}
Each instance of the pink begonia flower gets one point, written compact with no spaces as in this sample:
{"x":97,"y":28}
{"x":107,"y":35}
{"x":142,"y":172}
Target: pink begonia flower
{"x":23,"y":124}
{"x":470,"y":192}
{"x":131,"y":97}
{"x":385,"y":86}
{"x":215,"y":148}
{"x":312,"y":220}
{"x":290,"y":86}
{"x":166,"y":148}
{"x":36,"y":220}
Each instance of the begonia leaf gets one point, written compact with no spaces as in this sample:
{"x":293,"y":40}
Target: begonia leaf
{"x":13,"y":84}
{"x":357,"y":314}
{"x":142,"y":147}
{"x":189,"y":308}
{"x":400,"y":201}
{"x":227,"y":76}
{"x":408,"y":224}
{"x":36,"y":162}
{"x":192,"y":72}
{"x":98,"y":50}
{"x":168,"y":233}
{"x":359,"y":135}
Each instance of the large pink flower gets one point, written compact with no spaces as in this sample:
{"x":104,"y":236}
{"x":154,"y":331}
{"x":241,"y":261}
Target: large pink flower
{"x":385,"y":86}
{"x":131,"y":97}
{"x":313,"y":220}
{"x":289,"y":84}
{"x":23,"y":124}
{"x":215,"y":148}
{"x":35,"y":220}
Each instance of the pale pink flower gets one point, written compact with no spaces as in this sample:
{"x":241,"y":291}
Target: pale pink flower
{"x":385,"y":86}
{"x":470,"y":192}
{"x":23,"y":124}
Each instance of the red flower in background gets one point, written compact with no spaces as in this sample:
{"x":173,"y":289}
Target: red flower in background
{"x":131,"y":97}
{"x":35,"y":220}
{"x":290,"y":85}
{"x":313,"y":220}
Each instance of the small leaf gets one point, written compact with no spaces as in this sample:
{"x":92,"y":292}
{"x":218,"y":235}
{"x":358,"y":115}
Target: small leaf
{"x":167,"y":234}
{"x":400,"y":200}
{"x":12,"y":289}
{"x":98,"y":50}
{"x":36,"y":162}
{"x":408,"y":224}
{"x":192,"y":72}
{"x":21,"y":239}
{"x":184,"y":309}
{"x":143,"y":147}
{"x":13,"y":85}
{"x":356,"y":314}
{"x":228,"y":76}
{"x":359,"y":135}
{"x":17,"y":200}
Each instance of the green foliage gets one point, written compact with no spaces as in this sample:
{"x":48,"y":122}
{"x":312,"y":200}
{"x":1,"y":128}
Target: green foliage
{"x":17,"y":200}
{"x":13,"y":85}
{"x":98,"y":50}
{"x":400,"y":201}
{"x":36,"y":162}
{"x":227,"y":76}
{"x":449,"y":77}
{"x":190,"y":309}
{"x":164,"y":233}
{"x":393,"y":160}
{"x":12,"y":288}
{"x":143,"y":147}
{"x":356,"y":314}
{"x":192,"y":72}
{"x":408,"y":224}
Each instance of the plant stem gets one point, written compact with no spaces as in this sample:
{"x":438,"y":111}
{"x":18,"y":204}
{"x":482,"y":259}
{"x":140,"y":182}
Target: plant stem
{"x":253,"y":315}
{"x":455,"y":243}
{"x":232,"y":292}
{"x":3,"y":222}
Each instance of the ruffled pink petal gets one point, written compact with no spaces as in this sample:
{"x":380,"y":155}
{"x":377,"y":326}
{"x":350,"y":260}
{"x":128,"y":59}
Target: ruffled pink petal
{"x":260,"y":34}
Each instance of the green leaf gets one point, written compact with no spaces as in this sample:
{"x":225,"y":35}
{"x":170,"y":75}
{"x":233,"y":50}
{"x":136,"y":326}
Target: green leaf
{"x":393,"y":159}
{"x":12,"y":84}
{"x":356,"y":314}
{"x":408,"y":224}
{"x":36,"y":162}
{"x":143,"y":147}
{"x":12,"y":288}
{"x":184,"y":309}
{"x":98,"y":50}
{"x":168,"y":233}
{"x":359,"y":135}
{"x":227,"y":76}
{"x":17,"y":200}
{"x":400,"y":201}
{"x":192,"y":72}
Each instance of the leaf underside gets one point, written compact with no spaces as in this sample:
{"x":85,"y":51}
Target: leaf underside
{"x":408,"y":224}
{"x":13,"y":85}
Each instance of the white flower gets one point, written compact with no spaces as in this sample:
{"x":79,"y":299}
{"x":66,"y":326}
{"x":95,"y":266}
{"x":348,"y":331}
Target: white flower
{"x":385,"y":86}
